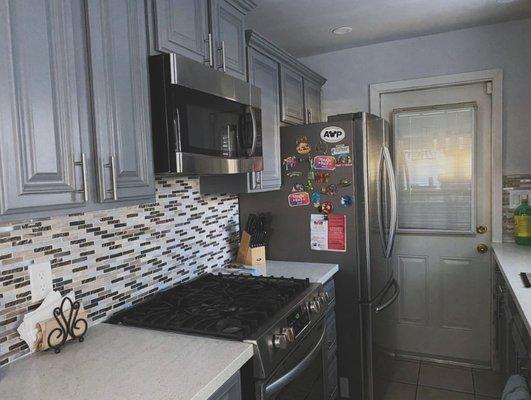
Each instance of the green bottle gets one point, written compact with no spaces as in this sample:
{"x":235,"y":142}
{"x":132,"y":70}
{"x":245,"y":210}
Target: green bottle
{"x":522,"y":222}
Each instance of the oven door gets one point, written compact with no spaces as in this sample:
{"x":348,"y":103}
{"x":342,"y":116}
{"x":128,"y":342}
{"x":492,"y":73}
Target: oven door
{"x":301,"y":375}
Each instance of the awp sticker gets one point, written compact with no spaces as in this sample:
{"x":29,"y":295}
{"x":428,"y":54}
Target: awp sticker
{"x":332,"y":134}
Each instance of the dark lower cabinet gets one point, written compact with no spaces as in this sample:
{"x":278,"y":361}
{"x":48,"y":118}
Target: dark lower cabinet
{"x":231,"y":390}
{"x":513,"y":343}
{"x":119,"y":65}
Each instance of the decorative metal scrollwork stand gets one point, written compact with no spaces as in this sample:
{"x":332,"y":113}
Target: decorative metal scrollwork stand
{"x":70,"y":326}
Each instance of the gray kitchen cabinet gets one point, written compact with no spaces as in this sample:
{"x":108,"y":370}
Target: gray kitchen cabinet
{"x":229,"y":38}
{"x":292,"y":96}
{"x":231,"y":390}
{"x":312,"y":102}
{"x":119,"y":64}
{"x":208,"y":31}
{"x":264,"y":73}
{"x":181,"y":26}
{"x":44,"y":134}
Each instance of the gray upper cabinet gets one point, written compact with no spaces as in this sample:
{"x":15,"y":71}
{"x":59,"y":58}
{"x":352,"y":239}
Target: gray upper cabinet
{"x":312,"y":101}
{"x":181,"y":26}
{"x":292,"y":96}
{"x":42,"y":134}
{"x":208,"y":31}
{"x":228,"y":31}
{"x":264,"y":73}
{"x":118,"y":57}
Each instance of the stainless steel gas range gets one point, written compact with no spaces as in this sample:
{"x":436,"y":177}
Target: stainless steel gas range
{"x":281,"y":317}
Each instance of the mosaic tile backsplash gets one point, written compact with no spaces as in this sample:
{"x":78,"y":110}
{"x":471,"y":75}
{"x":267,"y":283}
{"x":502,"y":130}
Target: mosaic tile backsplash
{"x":511,"y":183}
{"x":114,"y":258}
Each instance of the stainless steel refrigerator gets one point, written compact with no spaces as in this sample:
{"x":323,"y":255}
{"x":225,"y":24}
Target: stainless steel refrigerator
{"x":365,"y":284}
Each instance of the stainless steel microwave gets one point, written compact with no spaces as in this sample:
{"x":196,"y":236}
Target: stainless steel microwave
{"x":204,"y":121}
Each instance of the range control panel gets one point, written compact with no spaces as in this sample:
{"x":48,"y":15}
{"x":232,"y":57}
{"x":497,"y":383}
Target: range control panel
{"x":299,"y":319}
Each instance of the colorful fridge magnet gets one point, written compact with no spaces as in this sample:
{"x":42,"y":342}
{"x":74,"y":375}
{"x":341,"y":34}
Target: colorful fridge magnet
{"x":326,"y":208}
{"x":321,"y":177}
{"x":343,"y":160}
{"x":326,"y":163}
{"x":344,"y":182}
{"x":290,"y":162}
{"x":321,"y":148}
{"x":340,"y":149}
{"x":331,"y":190}
{"x":309,"y":186}
{"x":346,"y":201}
{"x":298,"y":187}
{"x":291,"y":174}
{"x":298,"y":199}
{"x":303,"y":145}
{"x":316,"y":199}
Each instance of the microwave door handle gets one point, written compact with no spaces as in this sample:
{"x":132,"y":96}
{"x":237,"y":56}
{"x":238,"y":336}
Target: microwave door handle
{"x":255,"y":132}
{"x":393,"y":197}
{"x":285,"y":379}
{"x":177,"y":129}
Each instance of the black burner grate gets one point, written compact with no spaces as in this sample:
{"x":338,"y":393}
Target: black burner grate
{"x":230,"y":306}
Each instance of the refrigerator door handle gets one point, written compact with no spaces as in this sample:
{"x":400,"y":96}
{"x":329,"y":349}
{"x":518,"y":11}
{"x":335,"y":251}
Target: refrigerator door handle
{"x":393,"y":223}
{"x":393,"y":298}
{"x":383,"y":291}
{"x":379,"y":177}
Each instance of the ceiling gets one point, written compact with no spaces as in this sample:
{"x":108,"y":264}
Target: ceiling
{"x":302,"y":27}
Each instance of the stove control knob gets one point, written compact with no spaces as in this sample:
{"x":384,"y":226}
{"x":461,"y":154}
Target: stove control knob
{"x":325,"y":298}
{"x":314,"y":305}
{"x":290,"y":334}
{"x":280,"y":341}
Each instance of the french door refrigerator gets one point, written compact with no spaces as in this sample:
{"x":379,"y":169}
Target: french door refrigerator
{"x":358,"y":191}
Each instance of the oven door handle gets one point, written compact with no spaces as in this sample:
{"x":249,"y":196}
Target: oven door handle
{"x":279,"y":383}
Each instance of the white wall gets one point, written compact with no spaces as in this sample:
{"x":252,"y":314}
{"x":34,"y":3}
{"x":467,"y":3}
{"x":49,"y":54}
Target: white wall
{"x":506,"y":46}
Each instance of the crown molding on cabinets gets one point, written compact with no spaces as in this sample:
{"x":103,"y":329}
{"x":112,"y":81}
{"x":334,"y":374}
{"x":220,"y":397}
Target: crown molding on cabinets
{"x":244,"y":5}
{"x":261,"y":44}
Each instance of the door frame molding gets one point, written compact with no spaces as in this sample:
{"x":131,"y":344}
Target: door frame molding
{"x":495,"y":76}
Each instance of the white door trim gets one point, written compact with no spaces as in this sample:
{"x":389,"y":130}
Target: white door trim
{"x":496,"y":77}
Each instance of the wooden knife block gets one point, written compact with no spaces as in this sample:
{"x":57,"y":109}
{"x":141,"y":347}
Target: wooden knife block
{"x":250,"y":255}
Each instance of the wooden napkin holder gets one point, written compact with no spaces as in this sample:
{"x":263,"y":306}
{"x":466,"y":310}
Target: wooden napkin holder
{"x":248,"y":255}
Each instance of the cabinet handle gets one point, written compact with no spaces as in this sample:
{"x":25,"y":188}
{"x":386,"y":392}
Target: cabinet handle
{"x":114,"y":189}
{"x":210,"y":59}
{"x":309,"y":116}
{"x":256,"y":180}
{"x":83,"y":164}
{"x":222,"y":50}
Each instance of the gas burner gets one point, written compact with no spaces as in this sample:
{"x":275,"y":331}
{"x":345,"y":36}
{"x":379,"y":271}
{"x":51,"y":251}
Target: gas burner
{"x":229,"y":306}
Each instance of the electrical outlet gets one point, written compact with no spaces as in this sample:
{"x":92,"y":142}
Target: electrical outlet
{"x":515,"y":197}
{"x":40,"y":280}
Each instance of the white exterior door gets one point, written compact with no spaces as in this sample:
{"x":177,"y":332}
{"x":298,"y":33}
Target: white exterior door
{"x":442,"y":160}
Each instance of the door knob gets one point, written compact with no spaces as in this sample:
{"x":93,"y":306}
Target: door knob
{"x":482,"y":248}
{"x":481,"y":229}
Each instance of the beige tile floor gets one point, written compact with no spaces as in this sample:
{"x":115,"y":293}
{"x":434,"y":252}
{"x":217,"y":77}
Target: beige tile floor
{"x":413,"y":380}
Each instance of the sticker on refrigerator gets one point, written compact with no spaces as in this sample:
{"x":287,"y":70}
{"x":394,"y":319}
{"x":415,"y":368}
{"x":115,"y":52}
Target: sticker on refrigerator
{"x":328,"y":233}
{"x":343,"y":160}
{"x":326,"y":163}
{"x":298,"y":199}
{"x":303,"y":145}
{"x":340,"y":149}
{"x":332,"y":134}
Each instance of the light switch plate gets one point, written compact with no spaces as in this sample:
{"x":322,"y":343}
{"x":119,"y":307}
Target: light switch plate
{"x":515,"y":197}
{"x":40,"y":280}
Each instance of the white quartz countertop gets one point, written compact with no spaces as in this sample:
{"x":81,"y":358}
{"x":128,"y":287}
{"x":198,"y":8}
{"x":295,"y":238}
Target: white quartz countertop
{"x":124,"y":363}
{"x":513,"y":259}
{"x":315,"y":272}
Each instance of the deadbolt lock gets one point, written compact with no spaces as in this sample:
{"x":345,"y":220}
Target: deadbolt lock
{"x":482,"y":248}
{"x":481,"y":229}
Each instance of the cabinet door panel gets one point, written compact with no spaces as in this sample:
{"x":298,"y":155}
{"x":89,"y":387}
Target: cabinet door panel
{"x":182,"y":27}
{"x":263,"y":72}
{"x":118,"y":47}
{"x":228,"y":28}
{"x":292,"y":100}
{"x":40,"y":133}
{"x":312,"y":101}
